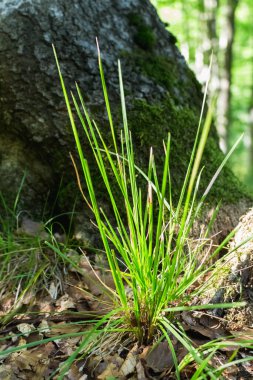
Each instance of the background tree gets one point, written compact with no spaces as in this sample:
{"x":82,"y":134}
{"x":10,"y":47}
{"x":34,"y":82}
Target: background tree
{"x":207,"y":43}
{"x":227,"y":36}
{"x":250,"y":116}
{"x":225,"y":27}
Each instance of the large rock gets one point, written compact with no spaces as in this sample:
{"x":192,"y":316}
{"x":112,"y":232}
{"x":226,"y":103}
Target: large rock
{"x":234,"y":278}
{"x":162,"y":94}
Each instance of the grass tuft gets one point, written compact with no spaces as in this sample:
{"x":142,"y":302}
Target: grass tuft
{"x":157,"y":272}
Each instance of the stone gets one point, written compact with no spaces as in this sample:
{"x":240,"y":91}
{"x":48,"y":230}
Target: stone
{"x":162,"y":96}
{"x":234,"y":279}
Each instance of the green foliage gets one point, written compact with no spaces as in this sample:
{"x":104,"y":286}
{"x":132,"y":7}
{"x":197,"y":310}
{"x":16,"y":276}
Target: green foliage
{"x":180,"y":122}
{"x":177,"y":112}
{"x":161,"y":274}
{"x":186,"y":19}
{"x":156,"y":272}
{"x":26,"y":263}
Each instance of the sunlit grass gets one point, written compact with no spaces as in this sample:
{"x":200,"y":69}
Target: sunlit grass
{"x":27,"y":265}
{"x":158,"y":271}
{"x":155,"y":271}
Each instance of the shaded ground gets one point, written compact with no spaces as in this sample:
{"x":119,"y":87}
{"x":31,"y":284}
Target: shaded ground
{"x":65,"y":303}
{"x":49,"y":314}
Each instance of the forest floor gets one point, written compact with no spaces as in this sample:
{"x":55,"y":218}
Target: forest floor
{"x":62,"y":305}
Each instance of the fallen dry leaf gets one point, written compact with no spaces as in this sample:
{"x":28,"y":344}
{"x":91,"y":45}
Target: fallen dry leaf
{"x":244,"y":334}
{"x":110,"y":371}
{"x":25,"y":328}
{"x":6,"y":372}
{"x":53,"y":290}
{"x":44,"y":327}
{"x":129,"y":364}
{"x":68,"y":346}
{"x":159,"y":357}
{"x":44,"y":303}
{"x":74,"y":374}
{"x":140,"y":371}
{"x":248,"y":366}
{"x":65,"y":302}
{"x":31,"y":363}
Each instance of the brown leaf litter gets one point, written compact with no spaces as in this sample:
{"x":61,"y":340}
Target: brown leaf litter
{"x":86,"y":293}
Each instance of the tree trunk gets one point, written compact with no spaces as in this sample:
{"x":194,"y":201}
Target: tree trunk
{"x":185,"y":49}
{"x":251,"y":135}
{"x":224,"y":102}
{"x":199,"y":51}
{"x":208,"y":43}
{"x":250,"y":163}
{"x":211,"y":10}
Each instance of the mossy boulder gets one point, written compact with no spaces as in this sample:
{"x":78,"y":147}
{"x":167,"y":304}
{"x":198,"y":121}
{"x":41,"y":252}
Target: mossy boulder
{"x":162,"y":96}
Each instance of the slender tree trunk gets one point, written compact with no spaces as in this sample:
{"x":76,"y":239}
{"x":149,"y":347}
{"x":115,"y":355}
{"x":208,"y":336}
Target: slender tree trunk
{"x":226,"y":46}
{"x":199,"y":51}
{"x":250,"y":120}
{"x":251,"y":127}
{"x":211,"y":9}
{"x":208,"y":43}
{"x":187,"y":38}
{"x":251,"y":137}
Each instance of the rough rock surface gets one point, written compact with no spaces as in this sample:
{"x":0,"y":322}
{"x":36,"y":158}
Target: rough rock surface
{"x":235,"y":278}
{"x":242,"y":262}
{"x":162,"y":93}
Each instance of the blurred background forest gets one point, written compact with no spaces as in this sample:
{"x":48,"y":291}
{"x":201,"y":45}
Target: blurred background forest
{"x":224,"y":27}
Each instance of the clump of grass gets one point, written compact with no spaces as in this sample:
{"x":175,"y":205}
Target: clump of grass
{"x":27,"y":265}
{"x":18,"y":254}
{"x":156,"y":273}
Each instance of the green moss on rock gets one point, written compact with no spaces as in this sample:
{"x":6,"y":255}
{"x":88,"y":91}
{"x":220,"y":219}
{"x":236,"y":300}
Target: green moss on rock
{"x":177,"y":111}
{"x":150,"y":124}
{"x":181,"y":86}
{"x":144,"y":36}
